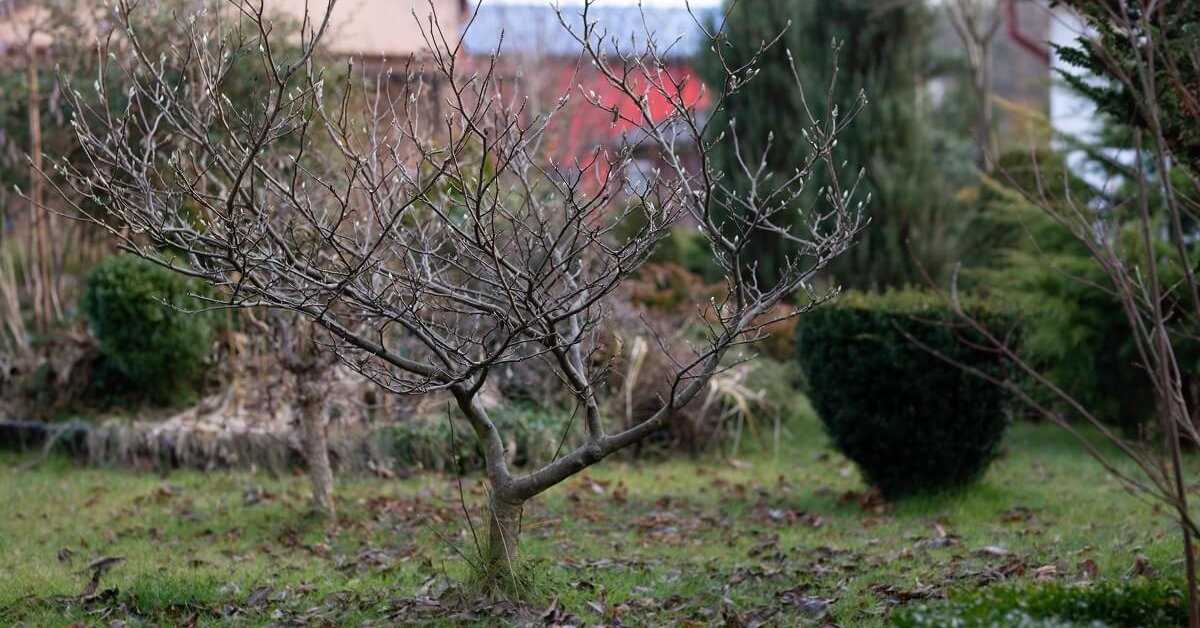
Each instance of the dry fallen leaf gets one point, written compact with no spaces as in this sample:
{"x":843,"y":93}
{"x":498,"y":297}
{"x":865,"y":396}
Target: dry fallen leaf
{"x":1045,"y":572}
{"x":98,"y":567}
{"x":1142,"y":567}
{"x":1089,"y":570}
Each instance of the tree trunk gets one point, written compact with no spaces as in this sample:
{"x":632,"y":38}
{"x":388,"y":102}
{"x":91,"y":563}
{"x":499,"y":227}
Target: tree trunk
{"x":38,"y":241}
{"x":984,"y":115}
{"x":1174,"y":447}
{"x":316,"y":447}
{"x":504,"y":534}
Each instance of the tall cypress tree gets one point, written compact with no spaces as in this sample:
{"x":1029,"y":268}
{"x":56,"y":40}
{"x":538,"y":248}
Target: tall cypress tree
{"x":882,"y":51}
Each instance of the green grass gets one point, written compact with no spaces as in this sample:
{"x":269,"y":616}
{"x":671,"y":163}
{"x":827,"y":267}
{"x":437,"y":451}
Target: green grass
{"x":672,"y":542}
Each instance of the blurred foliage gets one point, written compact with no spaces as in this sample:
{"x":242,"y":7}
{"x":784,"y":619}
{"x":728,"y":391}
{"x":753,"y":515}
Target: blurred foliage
{"x":689,"y":249}
{"x":152,"y":346}
{"x":912,"y":168}
{"x":1075,"y":329}
{"x":71,"y":65}
{"x":667,"y":300}
{"x":1039,"y":212}
{"x":1110,"y":51}
{"x":1136,"y":604}
{"x":669,"y":288}
{"x":533,"y":434}
{"x":911,"y":420}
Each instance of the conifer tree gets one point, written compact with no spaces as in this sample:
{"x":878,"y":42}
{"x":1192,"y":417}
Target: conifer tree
{"x":879,"y":48}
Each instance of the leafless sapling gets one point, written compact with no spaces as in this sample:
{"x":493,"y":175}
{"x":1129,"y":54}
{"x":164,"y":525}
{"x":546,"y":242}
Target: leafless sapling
{"x":436,"y":250}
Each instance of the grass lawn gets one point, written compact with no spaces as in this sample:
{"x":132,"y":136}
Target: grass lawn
{"x":785,"y":541}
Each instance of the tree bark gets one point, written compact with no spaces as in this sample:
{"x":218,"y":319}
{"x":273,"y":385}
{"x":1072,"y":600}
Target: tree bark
{"x":504,"y":536}
{"x":39,"y":251}
{"x":316,"y":446}
{"x":984,"y":114}
{"x":976,"y":25}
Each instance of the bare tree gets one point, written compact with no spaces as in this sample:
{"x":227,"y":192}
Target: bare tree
{"x":976,"y":23}
{"x":435,"y":252}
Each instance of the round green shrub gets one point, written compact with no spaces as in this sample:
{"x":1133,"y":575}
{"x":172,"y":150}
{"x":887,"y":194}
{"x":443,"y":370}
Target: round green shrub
{"x":910,"y":420}
{"x":151,"y":346}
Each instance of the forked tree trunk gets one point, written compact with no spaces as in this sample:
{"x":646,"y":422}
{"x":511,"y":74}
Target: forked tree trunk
{"x":504,"y":535}
{"x":316,"y":444}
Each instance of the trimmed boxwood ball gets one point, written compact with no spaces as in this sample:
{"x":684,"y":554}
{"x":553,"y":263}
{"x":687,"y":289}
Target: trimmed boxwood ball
{"x":911,"y":421}
{"x":152,"y":347}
